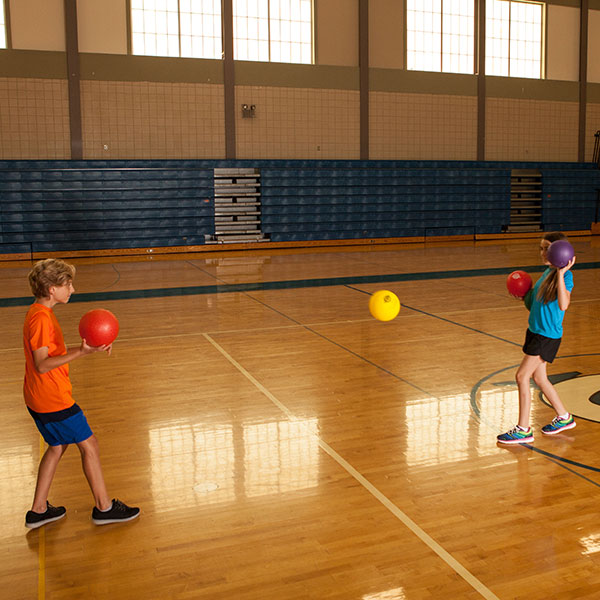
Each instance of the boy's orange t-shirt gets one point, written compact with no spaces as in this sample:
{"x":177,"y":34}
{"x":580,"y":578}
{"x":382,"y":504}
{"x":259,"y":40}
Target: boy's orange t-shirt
{"x":51,"y":391}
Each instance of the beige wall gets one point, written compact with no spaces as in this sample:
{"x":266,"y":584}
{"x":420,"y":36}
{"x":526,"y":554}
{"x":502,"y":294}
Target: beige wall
{"x":531,"y":130}
{"x":386,"y":29}
{"x":298,"y":123}
{"x":152,"y":120}
{"x":594,"y":47}
{"x":169,"y":108}
{"x":37,"y":24}
{"x":102,"y":26}
{"x":422,"y":126}
{"x":34,"y":120}
{"x":593,"y":125}
{"x":337,"y":32}
{"x":562,"y":60}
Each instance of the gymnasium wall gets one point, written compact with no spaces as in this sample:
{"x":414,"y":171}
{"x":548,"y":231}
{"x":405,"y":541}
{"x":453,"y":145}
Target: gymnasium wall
{"x":151,"y":107}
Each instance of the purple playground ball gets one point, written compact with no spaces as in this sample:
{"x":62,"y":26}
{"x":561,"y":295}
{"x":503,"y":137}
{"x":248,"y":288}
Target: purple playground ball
{"x":560,"y":253}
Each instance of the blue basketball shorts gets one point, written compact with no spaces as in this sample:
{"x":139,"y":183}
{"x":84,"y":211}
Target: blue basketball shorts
{"x":67,"y":426}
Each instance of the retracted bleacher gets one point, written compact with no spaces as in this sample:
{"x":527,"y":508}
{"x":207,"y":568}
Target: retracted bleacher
{"x":79,"y":206}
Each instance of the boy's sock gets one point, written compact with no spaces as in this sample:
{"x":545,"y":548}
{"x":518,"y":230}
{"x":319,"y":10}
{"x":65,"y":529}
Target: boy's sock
{"x":107,"y":509}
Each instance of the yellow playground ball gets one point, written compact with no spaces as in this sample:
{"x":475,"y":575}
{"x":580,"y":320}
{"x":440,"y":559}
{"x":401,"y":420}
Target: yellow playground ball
{"x":384,"y":305}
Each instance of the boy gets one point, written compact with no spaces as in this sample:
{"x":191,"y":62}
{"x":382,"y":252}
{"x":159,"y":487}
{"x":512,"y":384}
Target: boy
{"x":47,"y":393}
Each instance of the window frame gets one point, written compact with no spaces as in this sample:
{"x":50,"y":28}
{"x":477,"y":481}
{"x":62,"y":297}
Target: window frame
{"x":477,"y":40}
{"x":543,"y":38}
{"x":441,"y":35}
{"x":269,"y":40}
{"x":6,"y":16}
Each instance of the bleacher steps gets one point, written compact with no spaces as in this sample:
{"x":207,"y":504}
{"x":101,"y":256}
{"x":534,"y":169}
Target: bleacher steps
{"x":525,"y":200}
{"x":237,"y":206}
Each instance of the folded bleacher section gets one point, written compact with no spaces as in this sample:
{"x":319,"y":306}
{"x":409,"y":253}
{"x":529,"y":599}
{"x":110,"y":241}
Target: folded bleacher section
{"x":95,"y":205}
{"x":67,"y":206}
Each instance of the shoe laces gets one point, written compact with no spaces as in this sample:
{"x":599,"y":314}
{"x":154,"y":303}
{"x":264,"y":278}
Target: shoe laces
{"x":118,"y":506}
{"x":516,"y":430}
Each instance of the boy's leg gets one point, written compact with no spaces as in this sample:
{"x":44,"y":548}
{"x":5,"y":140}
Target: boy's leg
{"x":90,"y":459}
{"x":529,"y":365}
{"x":46,"y":472}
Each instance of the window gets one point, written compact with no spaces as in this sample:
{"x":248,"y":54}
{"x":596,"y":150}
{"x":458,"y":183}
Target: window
{"x":514,"y":38}
{"x":2,"y":26}
{"x":187,"y":28}
{"x":263,"y":30}
{"x":440,"y":35}
{"x":273,"y":30}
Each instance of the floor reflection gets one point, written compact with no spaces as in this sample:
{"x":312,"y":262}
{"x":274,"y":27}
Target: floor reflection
{"x":18,"y":471}
{"x":395,"y":594}
{"x":441,"y":430}
{"x":227,"y":461}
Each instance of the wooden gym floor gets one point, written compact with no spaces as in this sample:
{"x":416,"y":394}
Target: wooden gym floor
{"x":282,"y":444}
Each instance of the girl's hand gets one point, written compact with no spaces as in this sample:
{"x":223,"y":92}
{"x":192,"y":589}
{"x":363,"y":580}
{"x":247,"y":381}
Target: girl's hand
{"x":568,"y":266}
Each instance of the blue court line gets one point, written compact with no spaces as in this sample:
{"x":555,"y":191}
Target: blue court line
{"x":287,"y":285}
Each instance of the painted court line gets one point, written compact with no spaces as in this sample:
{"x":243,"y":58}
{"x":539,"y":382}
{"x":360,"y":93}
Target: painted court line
{"x":399,"y":514}
{"x":42,"y":545}
{"x":287,"y":285}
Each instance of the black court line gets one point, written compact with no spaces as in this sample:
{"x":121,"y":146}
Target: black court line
{"x":288,"y":285}
{"x":428,"y":314}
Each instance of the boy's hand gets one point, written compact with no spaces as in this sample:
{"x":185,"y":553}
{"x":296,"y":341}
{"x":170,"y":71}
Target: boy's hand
{"x":85,"y":348}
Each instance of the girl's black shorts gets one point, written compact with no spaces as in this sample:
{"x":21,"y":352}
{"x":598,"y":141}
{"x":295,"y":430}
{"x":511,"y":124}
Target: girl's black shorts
{"x":540,"y":345}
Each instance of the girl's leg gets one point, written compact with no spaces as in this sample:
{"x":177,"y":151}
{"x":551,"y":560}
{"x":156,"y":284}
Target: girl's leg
{"x":541,"y":379}
{"x":90,"y":459}
{"x":529,"y":365}
{"x":46,"y":472}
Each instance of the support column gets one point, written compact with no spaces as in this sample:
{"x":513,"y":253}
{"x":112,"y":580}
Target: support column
{"x":481,"y":91}
{"x":228,"y":78}
{"x":363,"y":66}
{"x":73,"y":79}
{"x":583,"y":56}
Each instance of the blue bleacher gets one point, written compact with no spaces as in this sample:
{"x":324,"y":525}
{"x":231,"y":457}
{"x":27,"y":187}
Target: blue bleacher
{"x":86,"y":205}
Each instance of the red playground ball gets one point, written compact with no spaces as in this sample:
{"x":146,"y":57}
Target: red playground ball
{"x":518,"y":283}
{"x":560,"y":253}
{"x":99,"y":327}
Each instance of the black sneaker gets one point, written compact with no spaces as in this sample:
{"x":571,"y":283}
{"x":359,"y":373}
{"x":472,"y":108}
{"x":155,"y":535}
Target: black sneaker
{"x":119,"y":513}
{"x":52,"y":513}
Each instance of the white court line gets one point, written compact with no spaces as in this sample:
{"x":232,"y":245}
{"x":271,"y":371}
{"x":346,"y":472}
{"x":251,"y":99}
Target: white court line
{"x":399,"y":514}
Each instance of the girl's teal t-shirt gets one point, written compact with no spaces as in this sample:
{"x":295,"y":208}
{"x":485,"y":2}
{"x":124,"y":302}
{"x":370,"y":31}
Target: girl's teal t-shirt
{"x":546,"y":319}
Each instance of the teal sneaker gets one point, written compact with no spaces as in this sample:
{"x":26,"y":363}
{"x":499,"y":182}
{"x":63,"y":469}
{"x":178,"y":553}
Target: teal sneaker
{"x":516,"y":436}
{"x":559,"y":425}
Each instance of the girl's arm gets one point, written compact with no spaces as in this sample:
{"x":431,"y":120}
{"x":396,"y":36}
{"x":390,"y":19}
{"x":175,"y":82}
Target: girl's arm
{"x":45,"y":363}
{"x":563,"y":295}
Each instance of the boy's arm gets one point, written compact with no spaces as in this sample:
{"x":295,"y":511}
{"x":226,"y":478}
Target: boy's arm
{"x":45,"y":363}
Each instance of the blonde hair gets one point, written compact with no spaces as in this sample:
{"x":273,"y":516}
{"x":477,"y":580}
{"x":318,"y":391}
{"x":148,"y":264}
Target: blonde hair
{"x":548,"y":291}
{"x":47,"y":273}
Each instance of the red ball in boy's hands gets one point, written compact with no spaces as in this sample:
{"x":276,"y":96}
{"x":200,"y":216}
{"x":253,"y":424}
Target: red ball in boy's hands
{"x":518,"y":283}
{"x":99,"y":327}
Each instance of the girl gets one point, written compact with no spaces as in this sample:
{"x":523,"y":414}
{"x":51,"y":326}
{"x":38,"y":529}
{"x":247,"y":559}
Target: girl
{"x":550,"y":299}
